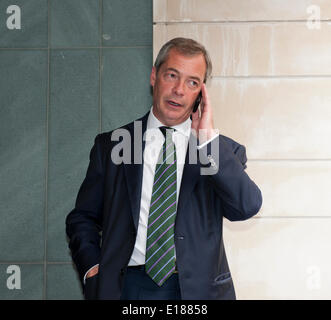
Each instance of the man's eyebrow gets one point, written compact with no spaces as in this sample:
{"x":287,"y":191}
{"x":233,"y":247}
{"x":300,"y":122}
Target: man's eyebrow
{"x":175,"y":70}
{"x":172,"y":69}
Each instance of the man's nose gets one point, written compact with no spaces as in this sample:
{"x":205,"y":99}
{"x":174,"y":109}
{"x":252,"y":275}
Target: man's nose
{"x":179,"y":88}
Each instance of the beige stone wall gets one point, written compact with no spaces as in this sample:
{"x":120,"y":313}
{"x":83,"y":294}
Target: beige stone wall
{"x":271,"y":91}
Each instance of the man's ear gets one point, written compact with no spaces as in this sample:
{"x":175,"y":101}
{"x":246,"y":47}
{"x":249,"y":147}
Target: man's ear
{"x":153,"y":77}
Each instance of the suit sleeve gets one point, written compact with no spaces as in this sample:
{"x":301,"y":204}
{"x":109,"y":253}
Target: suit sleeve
{"x":239,"y":195}
{"x":83,"y":223}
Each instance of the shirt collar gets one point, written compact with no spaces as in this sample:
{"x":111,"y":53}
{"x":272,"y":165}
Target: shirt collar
{"x":183,"y":128}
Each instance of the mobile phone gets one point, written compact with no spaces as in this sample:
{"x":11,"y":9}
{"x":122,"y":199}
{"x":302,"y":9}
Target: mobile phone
{"x":197,"y":102}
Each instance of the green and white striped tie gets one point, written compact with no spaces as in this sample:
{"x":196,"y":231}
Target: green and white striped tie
{"x":160,"y":247}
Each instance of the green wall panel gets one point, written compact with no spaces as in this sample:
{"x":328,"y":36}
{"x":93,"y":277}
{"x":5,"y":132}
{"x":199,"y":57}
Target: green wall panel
{"x":127,"y":23}
{"x":21,"y":281}
{"x":33,"y":30}
{"x":23,"y":97}
{"x":125,"y":85}
{"x":73,"y":124}
{"x":74,"y":23}
{"x":73,"y":69}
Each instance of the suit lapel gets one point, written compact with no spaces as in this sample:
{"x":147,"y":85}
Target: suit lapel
{"x":191,"y":173}
{"x":134,"y":170}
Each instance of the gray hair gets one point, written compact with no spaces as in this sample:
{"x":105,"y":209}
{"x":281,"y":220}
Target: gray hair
{"x":185,"y":46}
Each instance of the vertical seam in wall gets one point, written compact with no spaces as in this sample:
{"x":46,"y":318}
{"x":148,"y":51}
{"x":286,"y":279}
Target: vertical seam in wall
{"x":47,"y":152}
{"x":272,"y":38}
{"x":166,"y":18}
{"x":166,"y":9}
{"x":100,"y":63}
{"x":153,"y":24}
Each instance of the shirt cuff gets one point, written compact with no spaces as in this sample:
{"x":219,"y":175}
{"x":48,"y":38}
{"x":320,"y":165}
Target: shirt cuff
{"x":88,"y":272}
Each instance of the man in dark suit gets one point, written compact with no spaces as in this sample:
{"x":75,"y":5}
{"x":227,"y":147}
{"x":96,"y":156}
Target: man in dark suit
{"x":147,"y":223}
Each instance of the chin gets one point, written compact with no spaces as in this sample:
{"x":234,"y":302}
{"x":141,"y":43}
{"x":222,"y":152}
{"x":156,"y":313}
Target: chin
{"x":174,"y":120}
{"x":170,"y":116}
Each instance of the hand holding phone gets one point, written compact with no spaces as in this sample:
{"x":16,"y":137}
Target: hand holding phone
{"x":204,"y":120}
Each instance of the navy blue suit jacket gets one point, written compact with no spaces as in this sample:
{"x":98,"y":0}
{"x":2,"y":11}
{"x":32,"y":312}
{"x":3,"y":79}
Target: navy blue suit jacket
{"x":102,"y":227}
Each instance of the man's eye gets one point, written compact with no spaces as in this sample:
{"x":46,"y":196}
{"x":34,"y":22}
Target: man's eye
{"x":193,"y":83}
{"x":170,"y":76}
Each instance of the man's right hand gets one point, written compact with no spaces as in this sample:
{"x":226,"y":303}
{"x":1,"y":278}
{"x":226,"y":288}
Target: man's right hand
{"x":92,"y":272}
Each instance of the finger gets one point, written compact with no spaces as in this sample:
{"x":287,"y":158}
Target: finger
{"x":205,"y":99}
{"x":195,"y":115}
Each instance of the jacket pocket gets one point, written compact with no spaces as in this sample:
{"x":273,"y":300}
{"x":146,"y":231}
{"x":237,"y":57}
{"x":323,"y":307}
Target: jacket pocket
{"x":91,"y":288}
{"x":222,"y":279}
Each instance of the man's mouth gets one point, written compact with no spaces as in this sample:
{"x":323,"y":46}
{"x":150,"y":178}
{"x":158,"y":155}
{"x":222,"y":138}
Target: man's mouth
{"x":173,"y":103}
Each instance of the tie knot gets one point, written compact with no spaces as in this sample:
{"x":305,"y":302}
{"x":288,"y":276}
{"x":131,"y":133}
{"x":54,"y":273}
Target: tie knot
{"x":165,"y":129}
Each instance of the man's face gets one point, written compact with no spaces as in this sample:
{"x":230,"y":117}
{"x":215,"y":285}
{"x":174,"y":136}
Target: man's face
{"x":176,"y":86}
